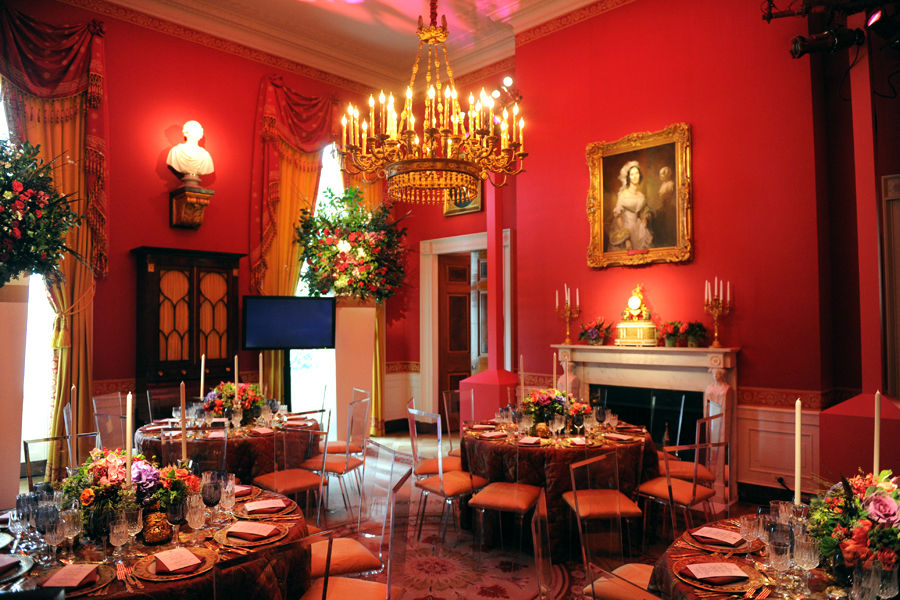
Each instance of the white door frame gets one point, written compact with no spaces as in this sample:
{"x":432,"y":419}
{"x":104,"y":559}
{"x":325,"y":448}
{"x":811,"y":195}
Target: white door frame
{"x":429,"y":250}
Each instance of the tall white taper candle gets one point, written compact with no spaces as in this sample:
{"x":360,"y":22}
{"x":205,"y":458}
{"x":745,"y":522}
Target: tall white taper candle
{"x":128,"y":433}
{"x":183,"y":425}
{"x":73,"y":406}
{"x":202,"y":375}
{"x":876,"y":463}
{"x":260,"y":374}
{"x":797,"y":418}
{"x":522,"y":375}
{"x":554,"y":371}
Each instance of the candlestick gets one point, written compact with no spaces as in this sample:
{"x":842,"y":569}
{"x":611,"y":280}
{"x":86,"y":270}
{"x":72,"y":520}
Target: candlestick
{"x":522,"y":375}
{"x":128,"y":433}
{"x":797,"y":418}
{"x":557,"y":299}
{"x":554,"y":371}
{"x":73,"y":406}
{"x":183,"y":426}
{"x":876,"y":466}
{"x":567,"y":313}
{"x":202,"y":375}
{"x":577,"y":298}
{"x":718,"y":307}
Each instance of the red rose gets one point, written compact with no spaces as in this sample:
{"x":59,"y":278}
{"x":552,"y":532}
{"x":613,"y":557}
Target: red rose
{"x":853,"y":553}
{"x":17,"y":186}
{"x":16,"y":233}
{"x":861,"y":532}
{"x":887,"y":558}
{"x":19,"y":205}
{"x":38,"y":213}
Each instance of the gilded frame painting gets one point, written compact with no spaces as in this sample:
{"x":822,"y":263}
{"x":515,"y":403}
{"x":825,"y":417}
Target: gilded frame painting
{"x":639,"y":204}
{"x":451,"y":209}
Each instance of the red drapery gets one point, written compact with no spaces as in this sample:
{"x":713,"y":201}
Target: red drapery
{"x":46,"y":61}
{"x":282,"y":117}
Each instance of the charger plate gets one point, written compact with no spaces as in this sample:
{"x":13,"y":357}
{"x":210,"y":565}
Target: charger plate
{"x":241,"y":513}
{"x":753,"y":581}
{"x":224,"y":539}
{"x":747,"y":547}
{"x":254,"y":493}
{"x":145,"y":567}
{"x":105,"y":574}
{"x":25,"y":564}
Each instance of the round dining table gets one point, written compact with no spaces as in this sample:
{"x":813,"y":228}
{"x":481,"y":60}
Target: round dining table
{"x":254,"y":572}
{"x":547,"y":465}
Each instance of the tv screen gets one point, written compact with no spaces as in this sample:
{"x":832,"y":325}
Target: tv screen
{"x":288,"y":322}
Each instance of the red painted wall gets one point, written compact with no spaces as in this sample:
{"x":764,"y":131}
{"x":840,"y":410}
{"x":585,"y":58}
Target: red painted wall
{"x":641,"y":67}
{"x":156,"y":82}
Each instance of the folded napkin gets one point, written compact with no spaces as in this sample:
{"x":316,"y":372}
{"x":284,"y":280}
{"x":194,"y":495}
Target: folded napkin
{"x":219,"y":420}
{"x":215,"y":434}
{"x":261,"y":431}
{"x":716,"y":536}
{"x":8,"y":562}
{"x":714,"y":573}
{"x":242,"y":490}
{"x":493,"y":435}
{"x":154,"y":427}
{"x":4,"y":518}
{"x":530,"y":440}
{"x":619,"y":436}
{"x":248,"y":530}
{"x":482,"y":427}
{"x":166,"y":420}
{"x":577,"y":441}
{"x":177,"y":560}
{"x":261,"y":507}
{"x":73,"y":576}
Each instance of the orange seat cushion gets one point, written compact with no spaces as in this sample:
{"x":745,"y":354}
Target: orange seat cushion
{"x":347,"y":556}
{"x":455,"y":483}
{"x":333,"y":464}
{"x":602,"y":504}
{"x":288,"y":482}
{"x":429,"y":466}
{"x":685,"y":470}
{"x":340,"y":447}
{"x":681,"y":490}
{"x":341,"y":588}
{"x":509,"y":497}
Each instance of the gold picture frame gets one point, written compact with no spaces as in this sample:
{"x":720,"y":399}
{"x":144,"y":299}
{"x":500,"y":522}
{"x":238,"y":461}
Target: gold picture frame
{"x":451,"y":209}
{"x":643,"y":216}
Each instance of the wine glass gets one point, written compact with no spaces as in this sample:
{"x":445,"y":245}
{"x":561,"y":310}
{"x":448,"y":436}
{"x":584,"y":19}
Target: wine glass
{"x":210,"y":490}
{"x":134,"y":517}
{"x":806,"y":555}
{"x":196,"y":516}
{"x":118,"y":535}
{"x":46,"y":517}
{"x":175,"y":515}
{"x":613,"y":420}
{"x":780,"y":556}
{"x":557,"y":424}
{"x":526,"y":422}
{"x":54,"y":533}
{"x":71,"y":517}
{"x":228,"y":500}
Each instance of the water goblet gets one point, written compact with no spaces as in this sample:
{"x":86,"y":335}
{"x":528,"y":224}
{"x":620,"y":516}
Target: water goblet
{"x":237,"y":414}
{"x":613,"y":420}
{"x":781,"y":510}
{"x":176,"y":413}
{"x":46,"y":516}
{"x":196,"y":516}
{"x":866,"y":583}
{"x":749,"y":527}
{"x":134,"y":518}
{"x":210,"y":490}
{"x":228,"y":499}
{"x":806,"y":556}
{"x":54,"y":533}
{"x":780,"y":556}
{"x":16,"y":526}
{"x":175,"y":515}
{"x":118,"y":535}
{"x":526,"y":423}
{"x":71,"y":518}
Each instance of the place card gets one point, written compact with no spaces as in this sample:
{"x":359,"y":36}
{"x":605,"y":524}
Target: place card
{"x":577,"y":441}
{"x":261,"y":431}
{"x":222,"y":420}
{"x":482,"y":427}
{"x":618,"y":436}
{"x":717,"y":536}
{"x":242,"y":490}
{"x":717,"y":572}
{"x":8,"y":562}
{"x":492,"y":435}
{"x":530,"y":440}
{"x":155,"y":427}
{"x":72,"y":576}
{"x":265,"y":506}
{"x":250,"y":530}
{"x":177,"y":560}
{"x":216,"y":434}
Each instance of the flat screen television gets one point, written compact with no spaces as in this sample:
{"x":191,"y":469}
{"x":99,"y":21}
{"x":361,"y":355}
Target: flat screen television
{"x":288,"y":322}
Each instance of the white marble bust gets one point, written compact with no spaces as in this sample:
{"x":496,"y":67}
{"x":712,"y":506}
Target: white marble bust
{"x":188,"y":157}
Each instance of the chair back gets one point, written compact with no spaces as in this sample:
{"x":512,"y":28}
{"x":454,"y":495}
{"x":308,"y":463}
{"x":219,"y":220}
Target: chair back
{"x":706,"y":454}
{"x":423,"y":450}
{"x":380,"y":472}
{"x":357,"y":422}
{"x":294,"y":445}
{"x":109,"y":404}
{"x":452,"y":416}
{"x":600,"y":472}
{"x":111,"y":429}
{"x":206,"y":449}
{"x":48,"y":459}
{"x":401,"y":497}
{"x":540,"y":534}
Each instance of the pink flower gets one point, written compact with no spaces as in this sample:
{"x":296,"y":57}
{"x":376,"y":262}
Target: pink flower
{"x":882,"y":508}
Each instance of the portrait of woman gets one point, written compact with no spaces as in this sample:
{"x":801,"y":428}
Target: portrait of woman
{"x":631,"y":214}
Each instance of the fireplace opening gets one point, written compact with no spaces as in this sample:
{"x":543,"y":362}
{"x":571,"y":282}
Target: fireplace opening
{"x":657,"y":410}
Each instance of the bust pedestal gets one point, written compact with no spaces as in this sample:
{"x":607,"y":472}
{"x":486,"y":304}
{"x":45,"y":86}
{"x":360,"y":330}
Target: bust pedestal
{"x":186,"y":206}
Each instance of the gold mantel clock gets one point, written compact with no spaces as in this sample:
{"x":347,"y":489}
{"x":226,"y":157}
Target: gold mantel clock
{"x":636,"y":328}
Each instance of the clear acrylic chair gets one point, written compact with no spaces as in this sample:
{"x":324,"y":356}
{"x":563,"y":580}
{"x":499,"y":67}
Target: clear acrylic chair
{"x":540,"y":535}
{"x":206,"y":449}
{"x":48,"y":459}
{"x":111,"y":429}
{"x":425,"y":462}
{"x":453,"y":414}
{"x":449,"y":485}
{"x":626,"y":582}
{"x":109,"y":404}
{"x":341,"y":588}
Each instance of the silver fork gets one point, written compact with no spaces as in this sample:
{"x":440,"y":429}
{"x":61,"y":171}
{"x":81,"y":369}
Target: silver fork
{"x":129,"y":573}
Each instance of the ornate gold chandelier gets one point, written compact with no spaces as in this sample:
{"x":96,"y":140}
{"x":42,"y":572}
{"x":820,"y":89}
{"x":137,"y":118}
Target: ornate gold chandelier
{"x":438,"y":153}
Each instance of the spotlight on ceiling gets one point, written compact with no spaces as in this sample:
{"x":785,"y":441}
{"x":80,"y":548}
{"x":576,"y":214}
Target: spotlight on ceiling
{"x":885,"y":25}
{"x":827,"y":41}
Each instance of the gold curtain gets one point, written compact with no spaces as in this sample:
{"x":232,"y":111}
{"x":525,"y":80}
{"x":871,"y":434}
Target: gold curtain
{"x":57,"y":125}
{"x":373,"y":196}
{"x":296,"y":189}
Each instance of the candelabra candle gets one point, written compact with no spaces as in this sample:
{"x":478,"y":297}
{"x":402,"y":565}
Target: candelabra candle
{"x":718,"y":307}
{"x":568,"y":312}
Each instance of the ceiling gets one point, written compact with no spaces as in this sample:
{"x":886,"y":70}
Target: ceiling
{"x":372,"y":42}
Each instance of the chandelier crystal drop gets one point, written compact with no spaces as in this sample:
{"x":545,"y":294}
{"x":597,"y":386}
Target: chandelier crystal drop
{"x":433,"y":152}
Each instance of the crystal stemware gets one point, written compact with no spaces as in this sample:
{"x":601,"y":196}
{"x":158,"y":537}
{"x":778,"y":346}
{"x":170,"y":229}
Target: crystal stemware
{"x":118,"y":535}
{"x":71,"y":518}
{"x":210,"y":490}
{"x":175,"y":515}
{"x":866,"y":583}
{"x":806,"y":555}
{"x":134,"y":518}
{"x":196,"y":516}
{"x":54,"y":533}
{"x":228,"y":500}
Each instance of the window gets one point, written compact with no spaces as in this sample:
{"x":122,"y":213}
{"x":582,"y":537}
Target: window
{"x":313,"y":379}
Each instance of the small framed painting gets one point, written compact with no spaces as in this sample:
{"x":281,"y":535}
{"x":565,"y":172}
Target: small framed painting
{"x":639,"y":201}
{"x":461,"y":207}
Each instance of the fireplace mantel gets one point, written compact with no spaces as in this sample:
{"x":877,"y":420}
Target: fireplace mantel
{"x":654,"y":367}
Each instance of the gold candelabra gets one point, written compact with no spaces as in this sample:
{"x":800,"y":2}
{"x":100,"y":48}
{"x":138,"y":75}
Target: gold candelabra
{"x":717,"y":307}
{"x":568,"y":312}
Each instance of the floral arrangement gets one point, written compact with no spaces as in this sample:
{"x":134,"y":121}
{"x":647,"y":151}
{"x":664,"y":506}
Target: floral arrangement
{"x":858,"y":520}
{"x":222,"y":398}
{"x":695,"y":330}
{"x":543,"y":404}
{"x":174,"y":485}
{"x":579,"y":408}
{"x":352,"y":250}
{"x":596,"y":331}
{"x":671,"y":329}
{"x":34,"y":217}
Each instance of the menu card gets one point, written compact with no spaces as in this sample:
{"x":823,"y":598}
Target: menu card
{"x":619,"y":436}
{"x":265,"y":506}
{"x":72,"y":576}
{"x":482,"y":427}
{"x":242,"y":490}
{"x":530,"y":440}
{"x":261,"y":431}
{"x":216,"y":434}
{"x":8,"y":562}
{"x":715,"y":535}
{"x":249,"y":530}
{"x":577,"y":441}
{"x":177,"y":560}
{"x":717,"y":572}
{"x":492,"y":435}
